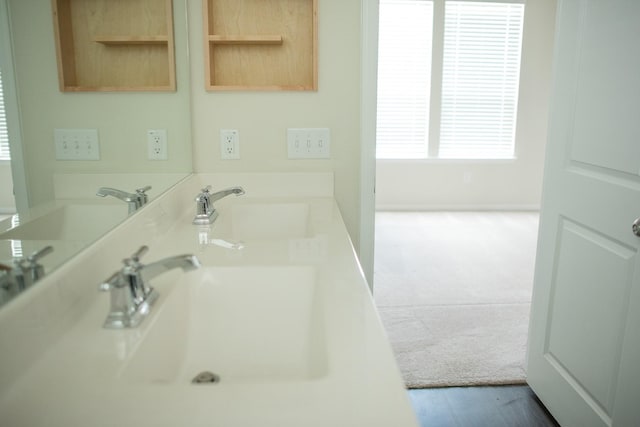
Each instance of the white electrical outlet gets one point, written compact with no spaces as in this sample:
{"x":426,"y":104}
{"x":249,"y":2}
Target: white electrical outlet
{"x":157,"y":144}
{"x":229,"y":144}
{"x":309,"y":143}
{"x":76,"y":144}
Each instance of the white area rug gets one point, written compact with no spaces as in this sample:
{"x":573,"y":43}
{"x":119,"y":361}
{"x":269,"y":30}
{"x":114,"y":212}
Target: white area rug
{"x":454,"y":291}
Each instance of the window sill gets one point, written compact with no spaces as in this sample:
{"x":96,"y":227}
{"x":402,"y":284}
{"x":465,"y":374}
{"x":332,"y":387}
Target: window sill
{"x":450,"y":161}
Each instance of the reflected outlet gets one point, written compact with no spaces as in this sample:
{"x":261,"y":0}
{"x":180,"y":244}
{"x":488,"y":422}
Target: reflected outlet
{"x":157,"y":144}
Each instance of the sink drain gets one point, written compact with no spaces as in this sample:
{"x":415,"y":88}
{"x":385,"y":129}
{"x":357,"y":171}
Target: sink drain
{"x":205,"y":377}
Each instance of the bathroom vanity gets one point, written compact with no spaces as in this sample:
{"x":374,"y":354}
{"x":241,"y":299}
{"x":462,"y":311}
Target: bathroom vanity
{"x":276,"y":328}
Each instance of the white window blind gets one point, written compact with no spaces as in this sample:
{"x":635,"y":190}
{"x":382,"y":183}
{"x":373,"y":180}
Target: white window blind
{"x":481,"y":73}
{"x":4,"y":134}
{"x":404,"y":78}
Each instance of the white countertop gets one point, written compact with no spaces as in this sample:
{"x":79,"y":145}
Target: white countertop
{"x":77,"y":379}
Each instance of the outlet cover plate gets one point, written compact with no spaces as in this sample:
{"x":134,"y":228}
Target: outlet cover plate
{"x":157,"y":144}
{"x":229,"y":144}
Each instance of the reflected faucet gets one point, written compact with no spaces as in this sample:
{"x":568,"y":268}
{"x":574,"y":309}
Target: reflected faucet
{"x":205,"y":212}
{"x":131,"y":296}
{"x":134,"y":200}
{"x":23,"y":273}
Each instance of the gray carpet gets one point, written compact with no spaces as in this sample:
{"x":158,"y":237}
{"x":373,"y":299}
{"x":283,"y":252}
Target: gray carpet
{"x":453,"y":290}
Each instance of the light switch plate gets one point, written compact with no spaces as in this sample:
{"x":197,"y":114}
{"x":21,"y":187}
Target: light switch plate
{"x":76,"y":144}
{"x":309,"y":143}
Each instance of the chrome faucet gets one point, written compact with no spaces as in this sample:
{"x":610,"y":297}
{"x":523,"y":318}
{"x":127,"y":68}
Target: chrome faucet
{"x":205,"y":212}
{"x":28,"y":270}
{"x":23,"y":272}
{"x":131,"y":296}
{"x":134,"y":200}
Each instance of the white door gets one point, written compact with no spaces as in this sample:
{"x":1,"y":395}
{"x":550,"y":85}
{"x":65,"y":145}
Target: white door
{"x":584,"y":338}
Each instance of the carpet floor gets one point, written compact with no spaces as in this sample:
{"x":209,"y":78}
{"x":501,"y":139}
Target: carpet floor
{"x":453,"y":290}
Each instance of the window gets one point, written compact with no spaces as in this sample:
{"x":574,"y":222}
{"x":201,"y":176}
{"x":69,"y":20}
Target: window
{"x":404,"y":78}
{"x":4,"y":134}
{"x":480,"y":45}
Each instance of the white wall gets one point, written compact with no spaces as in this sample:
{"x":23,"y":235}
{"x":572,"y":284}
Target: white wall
{"x":122,"y":119}
{"x":262,"y":118}
{"x":514,"y":184}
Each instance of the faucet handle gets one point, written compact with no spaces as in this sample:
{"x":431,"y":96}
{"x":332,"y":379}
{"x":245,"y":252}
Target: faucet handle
{"x":143,"y":197}
{"x":30,"y":262}
{"x":131,"y":266}
{"x":40,"y":253}
{"x":143,"y":189}
{"x":110,"y":283}
{"x":203,"y":203}
{"x":134,"y":260}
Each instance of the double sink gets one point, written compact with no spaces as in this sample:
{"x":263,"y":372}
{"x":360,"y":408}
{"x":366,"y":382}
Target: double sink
{"x":276,"y":330}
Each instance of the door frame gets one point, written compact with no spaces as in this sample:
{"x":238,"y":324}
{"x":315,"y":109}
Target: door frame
{"x":13,"y":111}
{"x":368,"y":108}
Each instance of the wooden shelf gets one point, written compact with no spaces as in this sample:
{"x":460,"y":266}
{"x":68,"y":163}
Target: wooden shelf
{"x":131,"y":40}
{"x":269,"y":45}
{"x":246,"y":40}
{"x":105,"y":46}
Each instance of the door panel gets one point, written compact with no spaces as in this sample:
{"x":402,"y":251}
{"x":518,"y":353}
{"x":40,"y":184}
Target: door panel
{"x":584,"y":348}
{"x":604,"y":63}
{"x":591,"y":358}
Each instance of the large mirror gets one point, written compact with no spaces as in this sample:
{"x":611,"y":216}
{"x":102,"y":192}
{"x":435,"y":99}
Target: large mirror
{"x":56,"y":199}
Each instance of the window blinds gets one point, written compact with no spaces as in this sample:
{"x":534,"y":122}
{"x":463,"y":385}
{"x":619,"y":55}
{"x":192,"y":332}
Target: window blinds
{"x":4,"y":134}
{"x":404,"y":78}
{"x":481,"y":73}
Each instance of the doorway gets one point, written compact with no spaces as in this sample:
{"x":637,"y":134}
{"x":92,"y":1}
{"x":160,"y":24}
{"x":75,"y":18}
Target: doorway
{"x":443,"y":223}
{"x":453,"y":289}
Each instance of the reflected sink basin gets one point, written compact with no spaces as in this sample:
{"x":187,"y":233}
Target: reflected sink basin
{"x":70,"y":222}
{"x":244,"y":324}
{"x":263,"y":221}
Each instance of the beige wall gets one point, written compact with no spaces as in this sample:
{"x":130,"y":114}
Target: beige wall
{"x":262,"y":118}
{"x":444,"y":184}
{"x":122,"y":119}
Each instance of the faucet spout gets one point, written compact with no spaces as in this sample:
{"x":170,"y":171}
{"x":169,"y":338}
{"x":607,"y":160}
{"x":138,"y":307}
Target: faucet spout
{"x":134,"y":200}
{"x":118,"y":194}
{"x":238,"y":191}
{"x":185,"y":262}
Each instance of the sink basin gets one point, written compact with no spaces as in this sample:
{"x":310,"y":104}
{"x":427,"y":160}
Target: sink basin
{"x":70,"y":222}
{"x":243,"y":324}
{"x":263,"y":221}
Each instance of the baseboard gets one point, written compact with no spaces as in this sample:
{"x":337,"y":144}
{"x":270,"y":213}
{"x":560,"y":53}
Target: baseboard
{"x":478,"y":208}
{"x":7,"y":211}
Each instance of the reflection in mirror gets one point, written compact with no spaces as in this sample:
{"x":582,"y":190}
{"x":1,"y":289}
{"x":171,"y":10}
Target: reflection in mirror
{"x":49,"y":200}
